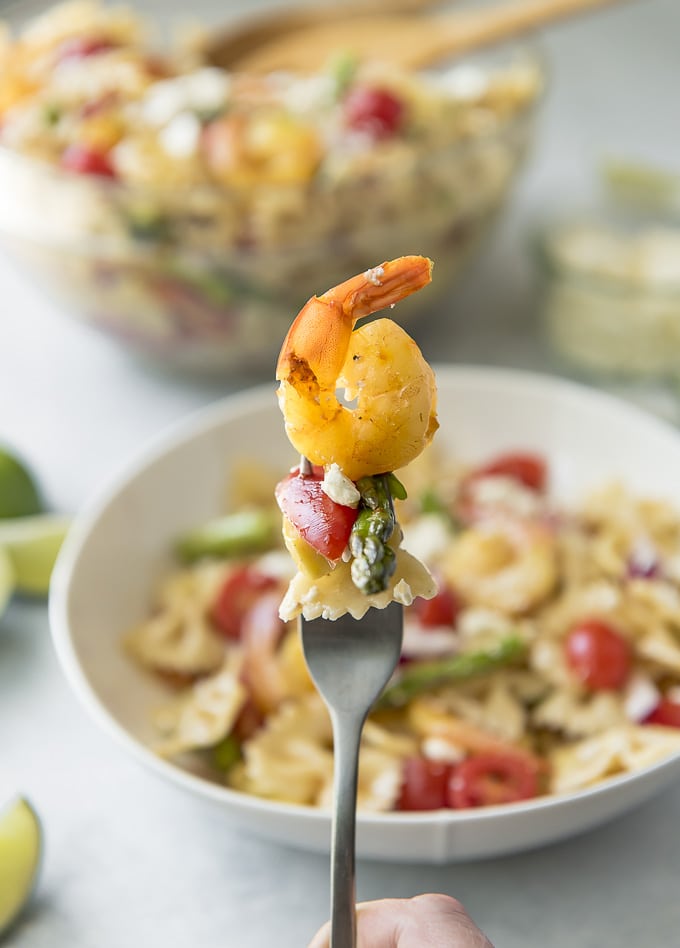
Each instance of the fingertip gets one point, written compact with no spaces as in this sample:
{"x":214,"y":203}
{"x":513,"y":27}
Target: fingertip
{"x":322,"y":938}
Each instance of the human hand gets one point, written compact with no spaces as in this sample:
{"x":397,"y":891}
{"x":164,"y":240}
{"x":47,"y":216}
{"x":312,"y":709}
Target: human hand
{"x":426,"y":921}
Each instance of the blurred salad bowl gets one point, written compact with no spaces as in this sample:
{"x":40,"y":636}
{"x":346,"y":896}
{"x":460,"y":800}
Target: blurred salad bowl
{"x":186,"y":212}
{"x":122,"y":546}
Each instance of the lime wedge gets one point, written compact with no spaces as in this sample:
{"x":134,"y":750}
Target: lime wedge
{"x":6,"y":579}
{"x":32,"y":544}
{"x":20,"y":852}
{"x":19,"y":495}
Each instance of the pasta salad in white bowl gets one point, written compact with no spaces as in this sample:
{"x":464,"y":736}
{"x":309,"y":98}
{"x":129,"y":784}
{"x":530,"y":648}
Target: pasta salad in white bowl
{"x":539,"y":690}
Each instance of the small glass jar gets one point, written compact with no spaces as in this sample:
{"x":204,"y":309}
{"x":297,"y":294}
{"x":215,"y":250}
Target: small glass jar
{"x":611,"y":302}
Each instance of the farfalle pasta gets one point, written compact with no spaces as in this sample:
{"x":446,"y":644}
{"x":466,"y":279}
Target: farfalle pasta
{"x":497,"y":698}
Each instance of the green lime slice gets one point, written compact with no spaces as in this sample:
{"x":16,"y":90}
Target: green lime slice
{"x":19,"y":495}
{"x":21,"y":841}
{"x":6,"y":579}
{"x":32,"y":544}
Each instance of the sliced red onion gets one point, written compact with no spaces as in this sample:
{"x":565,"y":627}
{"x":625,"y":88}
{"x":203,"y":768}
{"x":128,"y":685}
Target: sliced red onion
{"x":643,"y":561}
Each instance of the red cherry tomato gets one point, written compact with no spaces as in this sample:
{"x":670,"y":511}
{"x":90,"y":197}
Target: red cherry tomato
{"x":325,"y":525}
{"x":598,"y":655}
{"x":666,"y":712}
{"x":84,"y":160}
{"x":80,"y":47}
{"x":442,"y":609}
{"x":239,"y":592}
{"x":528,"y":469}
{"x":490,"y":778}
{"x":376,"y":111}
{"x":424,"y":784}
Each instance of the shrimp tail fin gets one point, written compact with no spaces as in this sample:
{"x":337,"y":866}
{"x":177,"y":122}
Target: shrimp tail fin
{"x":384,"y":285}
{"x":316,"y":345}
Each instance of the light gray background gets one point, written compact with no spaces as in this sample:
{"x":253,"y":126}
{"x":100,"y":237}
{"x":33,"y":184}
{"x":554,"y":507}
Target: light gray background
{"x":132,"y":862}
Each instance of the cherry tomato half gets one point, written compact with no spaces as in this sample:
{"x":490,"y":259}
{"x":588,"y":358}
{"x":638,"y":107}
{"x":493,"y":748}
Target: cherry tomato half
{"x":424,"y":784}
{"x":375,"y":111}
{"x":84,"y":160}
{"x":442,"y":609}
{"x":666,"y":712}
{"x":239,"y":591}
{"x":528,"y":469}
{"x":81,"y":47}
{"x":598,"y":655}
{"x":325,"y":525}
{"x":491,"y":778}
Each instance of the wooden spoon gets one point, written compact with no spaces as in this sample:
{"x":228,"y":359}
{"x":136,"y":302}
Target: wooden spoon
{"x":409,"y":41}
{"x":245,"y":36}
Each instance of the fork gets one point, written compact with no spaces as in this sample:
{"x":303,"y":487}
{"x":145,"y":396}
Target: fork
{"x":350,"y":661}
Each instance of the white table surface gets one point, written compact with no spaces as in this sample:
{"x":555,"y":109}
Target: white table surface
{"x":133,"y":862}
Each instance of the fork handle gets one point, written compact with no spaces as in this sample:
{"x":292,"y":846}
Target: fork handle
{"x":347,"y":727}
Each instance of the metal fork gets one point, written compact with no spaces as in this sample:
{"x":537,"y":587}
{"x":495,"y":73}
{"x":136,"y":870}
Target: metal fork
{"x":351,"y":661}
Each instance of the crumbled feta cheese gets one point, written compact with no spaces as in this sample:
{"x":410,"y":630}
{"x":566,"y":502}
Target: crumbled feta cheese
{"x":339,"y":487}
{"x":643,"y":556}
{"x":505,"y":492}
{"x":602,"y":597}
{"x":309,"y":94}
{"x":439,"y":749}
{"x":640,"y":698}
{"x":478,"y":621}
{"x":203,"y":90}
{"x":428,"y":537}
{"x":375,"y":275}
{"x":181,"y":135}
{"x":420,"y":642}
{"x":464,"y":82}
{"x":384,"y":789}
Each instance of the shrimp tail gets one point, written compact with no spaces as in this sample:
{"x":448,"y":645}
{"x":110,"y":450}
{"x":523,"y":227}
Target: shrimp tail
{"x":315,"y":347}
{"x":382,"y":286}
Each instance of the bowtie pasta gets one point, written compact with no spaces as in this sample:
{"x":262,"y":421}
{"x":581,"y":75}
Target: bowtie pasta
{"x":548,"y":660}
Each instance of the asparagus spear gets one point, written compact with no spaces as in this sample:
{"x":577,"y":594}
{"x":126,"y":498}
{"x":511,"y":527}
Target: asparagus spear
{"x":421,"y":676}
{"x":225,"y":754}
{"x":237,"y":534}
{"x":374,"y":562}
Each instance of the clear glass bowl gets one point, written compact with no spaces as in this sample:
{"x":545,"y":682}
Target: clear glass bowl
{"x":205,"y":279}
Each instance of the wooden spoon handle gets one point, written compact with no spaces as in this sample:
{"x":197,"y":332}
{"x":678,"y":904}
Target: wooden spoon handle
{"x":462,"y":32}
{"x":412,"y":41}
{"x":244,"y":37}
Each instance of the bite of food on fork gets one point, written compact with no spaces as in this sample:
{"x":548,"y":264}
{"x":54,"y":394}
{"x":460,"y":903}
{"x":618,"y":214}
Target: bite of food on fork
{"x":339,"y":522}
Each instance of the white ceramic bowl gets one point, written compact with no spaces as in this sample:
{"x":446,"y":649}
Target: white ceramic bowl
{"x":120,"y":546}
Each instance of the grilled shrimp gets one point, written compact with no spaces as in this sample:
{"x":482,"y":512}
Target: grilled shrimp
{"x":389,"y":413}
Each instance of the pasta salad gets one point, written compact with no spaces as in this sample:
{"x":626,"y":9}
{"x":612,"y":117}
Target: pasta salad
{"x":547,"y":662}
